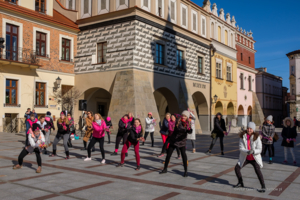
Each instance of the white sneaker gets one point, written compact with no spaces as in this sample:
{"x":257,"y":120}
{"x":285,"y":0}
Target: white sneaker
{"x":87,"y":159}
{"x":103,"y":161}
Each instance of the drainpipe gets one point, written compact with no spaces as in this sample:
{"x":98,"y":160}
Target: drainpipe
{"x":212,"y":48}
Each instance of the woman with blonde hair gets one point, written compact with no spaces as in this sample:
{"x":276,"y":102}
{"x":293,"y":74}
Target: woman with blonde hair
{"x":88,"y":132}
{"x":62,"y":133}
{"x":99,"y":128}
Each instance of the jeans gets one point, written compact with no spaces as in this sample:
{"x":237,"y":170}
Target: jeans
{"x":183,"y":154}
{"x":256,"y":167}
{"x":214,"y":141}
{"x":152,"y":137}
{"x":24,"y":153}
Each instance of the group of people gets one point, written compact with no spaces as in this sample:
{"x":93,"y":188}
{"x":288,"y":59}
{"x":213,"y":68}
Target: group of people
{"x":175,"y":130}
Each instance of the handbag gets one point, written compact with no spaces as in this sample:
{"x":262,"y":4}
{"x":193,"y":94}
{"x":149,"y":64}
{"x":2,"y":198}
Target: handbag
{"x":275,"y":138}
{"x":213,"y":135}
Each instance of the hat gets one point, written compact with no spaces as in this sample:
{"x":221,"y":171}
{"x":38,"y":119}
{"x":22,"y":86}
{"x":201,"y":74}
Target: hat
{"x":150,"y":113}
{"x":48,"y":113}
{"x":186,"y":113}
{"x":63,"y":113}
{"x":108,"y":119}
{"x":35,"y":127}
{"x":270,"y":118}
{"x":251,"y":125}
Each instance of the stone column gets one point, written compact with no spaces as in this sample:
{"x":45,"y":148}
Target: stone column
{"x":257,"y":113}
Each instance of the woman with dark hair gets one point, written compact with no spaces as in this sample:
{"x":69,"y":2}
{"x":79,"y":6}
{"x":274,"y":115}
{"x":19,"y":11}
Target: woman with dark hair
{"x":178,"y":139}
{"x":164,"y":131}
{"x":289,"y":134}
{"x":134,"y":138}
{"x":150,"y":128}
{"x":88,"y":129}
{"x":218,"y":132}
{"x":250,"y":150}
{"x":109,"y":126}
{"x":72,"y":129}
{"x":124,"y":125}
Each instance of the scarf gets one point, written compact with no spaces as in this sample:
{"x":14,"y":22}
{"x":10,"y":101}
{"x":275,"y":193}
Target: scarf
{"x":171,"y":125}
{"x":185,"y":124}
{"x":130,"y":119}
{"x":138,"y":129}
{"x":98,"y":122}
{"x":125,"y":121}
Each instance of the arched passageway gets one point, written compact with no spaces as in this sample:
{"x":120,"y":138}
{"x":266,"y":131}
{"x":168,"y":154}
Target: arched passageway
{"x":201,"y":109}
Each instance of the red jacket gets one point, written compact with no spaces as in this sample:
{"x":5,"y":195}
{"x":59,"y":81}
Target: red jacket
{"x":99,"y":131}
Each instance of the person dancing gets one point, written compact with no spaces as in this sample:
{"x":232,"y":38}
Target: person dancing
{"x":124,"y":125}
{"x":150,"y":128}
{"x":88,"y":133}
{"x":72,"y":129}
{"x":134,"y":138}
{"x":99,"y":128}
{"x":250,"y":150}
{"x":289,"y":134}
{"x":268,"y":132}
{"x":62,"y":133}
{"x":164,"y":131}
{"x":36,"y":142}
{"x":178,"y":139}
{"x":192,"y":136}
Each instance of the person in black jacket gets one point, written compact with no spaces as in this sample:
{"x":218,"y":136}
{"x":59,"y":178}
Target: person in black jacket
{"x":110,"y":126}
{"x":178,"y":139}
{"x":289,"y":134}
{"x":134,"y":138}
{"x":124,"y":125}
{"x":164,"y":132}
{"x":220,"y":130}
{"x":62,"y":133}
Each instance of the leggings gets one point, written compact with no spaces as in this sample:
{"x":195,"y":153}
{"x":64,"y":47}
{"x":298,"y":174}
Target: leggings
{"x":108,"y":135}
{"x":92,"y":144}
{"x":118,"y":140}
{"x":238,"y":168}
{"x":136,"y":150}
{"x":164,"y":148}
{"x":292,"y":152}
{"x":193,"y":144}
{"x":85,"y":144}
{"x":214,"y":141}
{"x":273,"y":150}
{"x":269,"y":148}
{"x":65,"y":138}
{"x":24,"y":153}
{"x":183,"y":154}
{"x":47,"y":137}
{"x":151,"y":135}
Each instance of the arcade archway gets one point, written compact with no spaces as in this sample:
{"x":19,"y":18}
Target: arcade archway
{"x":202,"y":110}
{"x":241,"y":116}
{"x":219,"y":108}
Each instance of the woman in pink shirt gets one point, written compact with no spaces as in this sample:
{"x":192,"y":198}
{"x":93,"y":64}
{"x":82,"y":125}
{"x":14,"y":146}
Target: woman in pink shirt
{"x":99,"y":128}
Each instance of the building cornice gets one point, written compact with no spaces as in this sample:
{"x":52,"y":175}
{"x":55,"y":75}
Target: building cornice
{"x":226,"y":55}
{"x":241,"y":45}
{"x":55,"y":72}
{"x":222,"y":22}
{"x":246,"y":68}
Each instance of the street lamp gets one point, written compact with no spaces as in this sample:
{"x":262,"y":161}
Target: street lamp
{"x":215,"y":99}
{"x":57,"y":84}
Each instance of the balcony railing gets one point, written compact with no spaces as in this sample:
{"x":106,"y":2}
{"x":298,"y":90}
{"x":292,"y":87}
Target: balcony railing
{"x":19,"y":55}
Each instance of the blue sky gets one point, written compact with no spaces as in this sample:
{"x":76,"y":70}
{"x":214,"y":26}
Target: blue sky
{"x":275,"y":28}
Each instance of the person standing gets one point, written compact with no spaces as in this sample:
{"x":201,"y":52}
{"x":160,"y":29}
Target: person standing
{"x":218,"y":132}
{"x":109,"y":126}
{"x":124,"y":125}
{"x":32,"y":120}
{"x":36,"y":144}
{"x":27,"y":116}
{"x":131,"y":119}
{"x":178,"y":139}
{"x":268,"y":132}
{"x":63,"y":131}
{"x":134,"y":138}
{"x":43,"y":124}
{"x":192,"y":136}
{"x":164,"y":131}
{"x":72,"y":128}
{"x":250,"y":150}
{"x":49,"y":126}
{"x":99,"y":128}
{"x":88,"y":129}
{"x":289,"y":134}
{"x":150,"y":128}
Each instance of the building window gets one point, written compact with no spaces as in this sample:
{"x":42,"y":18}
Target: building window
{"x":12,"y":42}
{"x":231,"y":40}
{"x":228,"y":73}
{"x":121,"y":4}
{"x":212,"y":27}
{"x":65,"y":47}
{"x":12,"y":1}
{"x":101,"y":52}
{"x":249,"y":60}
{"x":200,"y":65}
{"x":241,"y":56}
{"x":146,"y":5}
{"x":103,"y":6}
{"x":292,"y":70}
{"x":40,"y":6}
{"x":40,"y":44}
{"x":226,"y":37}
{"x":40,"y":94}
{"x":242,"y":80}
{"x":160,"y":8}
{"x":70,"y":4}
{"x":203,"y":21}
{"x":184,"y":16}
{"x":180,"y":59}
{"x":218,"y":70}
{"x":219,"y":33}
{"x":194,"y":21}
{"x":250,"y":83}
{"x":173,"y":11}
{"x":160,"y":54}
{"x":86,"y":8}
{"x":11,"y":92}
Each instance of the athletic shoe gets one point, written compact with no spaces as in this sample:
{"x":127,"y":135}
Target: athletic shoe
{"x":208,"y":152}
{"x":126,"y":154}
{"x":52,"y":155}
{"x":17,"y":166}
{"x":138,"y":168}
{"x":67,"y":158}
{"x":120,"y":165}
{"x":239,"y":185}
{"x":114,"y":153}
{"x":84,"y":149}
{"x":103,"y":161}
{"x":194,"y":150}
{"x":284,"y":162}
{"x":262,"y":190}
{"x":161,"y":155}
{"x":295,"y":163}
{"x":178,"y":157}
{"x":270,"y":162}
{"x":87,"y":159}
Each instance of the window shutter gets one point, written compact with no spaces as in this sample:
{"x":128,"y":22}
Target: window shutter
{"x":103,"y":4}
{"x":146,"y":3}
{"x":203,"y":26}
{"x":172,"y":10}
{"x":86,"y":6}
{"x":183,"y":16}
{"x":194,"y":22}
{"x":122,"y":2}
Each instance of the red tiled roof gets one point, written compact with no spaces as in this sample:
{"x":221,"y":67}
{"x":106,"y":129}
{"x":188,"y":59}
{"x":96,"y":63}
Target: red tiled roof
{"x":60,"y":17}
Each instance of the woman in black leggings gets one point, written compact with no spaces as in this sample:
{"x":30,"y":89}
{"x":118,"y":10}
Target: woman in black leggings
{"x":124,"y":126}
{"x":178,"y":139}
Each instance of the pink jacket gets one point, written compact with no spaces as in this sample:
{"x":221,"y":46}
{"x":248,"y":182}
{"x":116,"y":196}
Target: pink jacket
{"x":99,"y":131}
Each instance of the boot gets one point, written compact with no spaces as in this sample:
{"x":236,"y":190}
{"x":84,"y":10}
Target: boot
{"x":114,"y":153}
{"x":263,"y":189}
{"x":208,"y":152}
{"x":143,"y":143}
{"x":185,"y":174}
{"x":240,"y":184}
{"x":164,"y":171}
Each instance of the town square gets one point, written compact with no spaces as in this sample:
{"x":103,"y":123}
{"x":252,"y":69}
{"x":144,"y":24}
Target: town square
{"x":149,"y":99}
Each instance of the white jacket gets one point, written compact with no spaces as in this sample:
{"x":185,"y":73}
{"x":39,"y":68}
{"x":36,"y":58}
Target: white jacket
{"x":149,"y":125}
{"x":193,"y":135}
{"x":35,"y":144}
{"x":256,"y":146}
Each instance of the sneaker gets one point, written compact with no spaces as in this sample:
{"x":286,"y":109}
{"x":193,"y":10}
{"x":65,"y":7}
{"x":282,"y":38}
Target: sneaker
{"x":126,"y":154}
{"x":103,"y":161}
{"x":87,"y":159}
{"x":208,"y":152}
{"x":270,"y":162}
{"x":84,"y":149}
{"x":161,"y":155}
{"x":17,"y":166}
{"x":52,"y":155}
{"x":137,"y":168}
{"x":120,"y":165}
{"x":284,"y":162}
{"x":114,"y":153}
{"x":295,"y":163}
{"x":178,"y":157}
{"x":194,"y":150}
{"x":67,"y":158}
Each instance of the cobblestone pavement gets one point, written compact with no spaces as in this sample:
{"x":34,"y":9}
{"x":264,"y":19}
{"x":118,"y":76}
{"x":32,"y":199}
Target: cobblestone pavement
{"x":210,"y":177}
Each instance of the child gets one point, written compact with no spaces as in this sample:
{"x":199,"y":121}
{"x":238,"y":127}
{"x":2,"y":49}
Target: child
{"x":44,"y":128}
{"x":109,"y":126}
{"x":32,"y":120}
{"x":99,"y":128}
{"x":250,"y":150}
{"x":36,"y":141}
{"x":289,"y":134}
{"x":150,"y":128}
{"x":268,"y":132}
{"x":134,"y":138}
